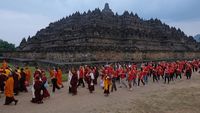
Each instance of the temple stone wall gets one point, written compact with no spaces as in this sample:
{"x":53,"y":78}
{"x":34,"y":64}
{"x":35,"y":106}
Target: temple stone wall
{"x":66,"y":57}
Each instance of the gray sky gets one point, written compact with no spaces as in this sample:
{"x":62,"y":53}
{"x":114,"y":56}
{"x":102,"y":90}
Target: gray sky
{"x":21,"y":18}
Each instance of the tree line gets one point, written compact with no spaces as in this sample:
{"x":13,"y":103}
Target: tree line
{"x":5,"y":46}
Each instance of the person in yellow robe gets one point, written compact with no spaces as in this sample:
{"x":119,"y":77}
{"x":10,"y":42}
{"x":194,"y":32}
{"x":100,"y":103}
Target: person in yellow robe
{"x":7,"y":72}
{"x":9,"y":94}
{"x":28,"y":75}
{"x":59,"y":78}
{"x":107,"y":84}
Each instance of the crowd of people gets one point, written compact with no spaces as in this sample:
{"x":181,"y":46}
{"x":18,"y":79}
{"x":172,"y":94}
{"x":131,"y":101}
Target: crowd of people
{"x":15,"y":81}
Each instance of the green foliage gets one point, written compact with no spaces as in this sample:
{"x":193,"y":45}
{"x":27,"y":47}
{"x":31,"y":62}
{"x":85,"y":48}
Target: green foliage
{"x":5,"y":46}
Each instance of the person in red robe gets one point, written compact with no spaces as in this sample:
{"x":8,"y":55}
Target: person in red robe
{"x":167,"y":75}
{"x":45,"y":85}
{"x":122,"y":73}
{"x":22,"y":81}
{"x":2,"y":80}
{"x":155,"y":74}
{"x":146,"y":71}
{"x":59,"y":78}
{"x":53,"y":74}
{"x":96,"y":75}
{"x":38,"y":88}
{"x":172,"y":70}
{"x":178,"y":73}
{"x":81,"y":75}
{"x":160,"y":72}
{"x":114,"y":76}
{"x":130,"y":79}
{"x":74,"y":81}
{"x":91,"y":81}
{"x":188,"y":71}
{"x":134,"y":71}
{"x":9,"y":88}
{"x":86,"y":72}
{"x":16,"y":78}
{"x":37,"y":72}
{"x":140,"y":77}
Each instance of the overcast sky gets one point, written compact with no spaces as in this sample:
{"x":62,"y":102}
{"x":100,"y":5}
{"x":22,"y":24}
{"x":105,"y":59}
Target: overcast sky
{"x":21,"y":18}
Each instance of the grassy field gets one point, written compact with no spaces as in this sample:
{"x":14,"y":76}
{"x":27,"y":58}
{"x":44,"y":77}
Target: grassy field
{"x":64,"y":76}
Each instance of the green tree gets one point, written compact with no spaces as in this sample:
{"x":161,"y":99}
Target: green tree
{"x":5,"y":46}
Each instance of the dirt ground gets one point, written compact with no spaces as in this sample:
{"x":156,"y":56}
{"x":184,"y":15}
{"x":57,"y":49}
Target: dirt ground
{"x":181,"y":96}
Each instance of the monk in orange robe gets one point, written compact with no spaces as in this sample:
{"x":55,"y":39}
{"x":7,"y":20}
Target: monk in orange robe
{"x":28,"y":75}
{"x":9,"y":87}
{"x":59,"y":78}
{"x":53,"y":75}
